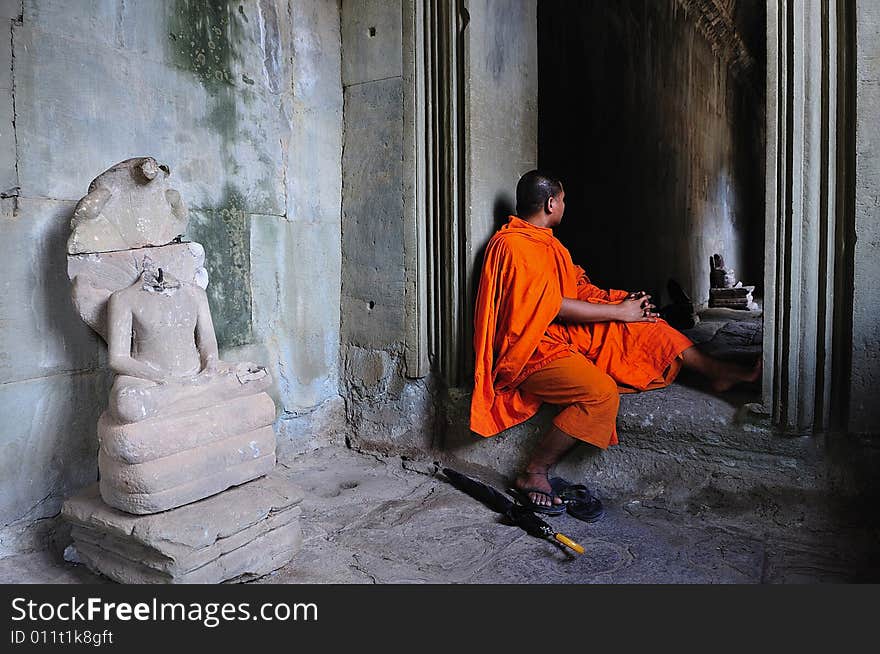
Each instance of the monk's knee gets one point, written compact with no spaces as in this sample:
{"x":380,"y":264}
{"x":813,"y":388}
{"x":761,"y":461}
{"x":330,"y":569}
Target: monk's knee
{"x":601,"y":390}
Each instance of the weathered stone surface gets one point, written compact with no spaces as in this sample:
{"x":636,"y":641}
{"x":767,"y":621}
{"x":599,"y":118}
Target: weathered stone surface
{"x":250,"y":561}
{"x":165,"y":474}
{"x":96,"y":276}
{"x":129,"y":205}
{"x":372,"y":30}
{"x":373,"y":278}
{"x":741,"y":339}
{"x":220,"y":147}
{"x":155,"y":438}
{"x":8,"y":173}
{"x":502,"y":71}
{"x":369,"y":519}
{"x":10,"y":9}
{"x":225,"y":233}
{"x":243,"y":533}
{"x":8,"y":154}
{"x":196,"y":525}
{"x":308,"y":430}
{"x":314,"y":183}
{"x":304,"y":344}
{"x":387,"y":412}
{"x":98,"y":20}
{"x":864,"y":410}
{"x":48,"y":442}
{"x":120,"y":484}
{"x":5,"y":57}
{"x":241,"y":43}
{"x":41,"y":334}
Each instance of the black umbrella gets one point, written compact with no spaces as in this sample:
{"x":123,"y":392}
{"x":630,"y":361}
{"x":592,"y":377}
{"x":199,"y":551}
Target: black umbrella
{"x":516,"y":513}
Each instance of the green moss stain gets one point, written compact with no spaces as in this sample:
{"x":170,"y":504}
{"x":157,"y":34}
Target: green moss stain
{"x":203,"y":35}
{"x":209,"y":40}
{"x":224,"y":231}
{"x":203,"y":39}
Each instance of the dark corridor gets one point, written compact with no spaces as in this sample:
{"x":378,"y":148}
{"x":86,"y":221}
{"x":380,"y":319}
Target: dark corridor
{"x":652,"y":114}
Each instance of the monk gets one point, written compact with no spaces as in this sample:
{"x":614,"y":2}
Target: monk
{"x":544,"y":333}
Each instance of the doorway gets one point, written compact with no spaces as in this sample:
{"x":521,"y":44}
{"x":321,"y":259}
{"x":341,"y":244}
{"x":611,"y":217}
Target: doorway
{"x":653,"y":115}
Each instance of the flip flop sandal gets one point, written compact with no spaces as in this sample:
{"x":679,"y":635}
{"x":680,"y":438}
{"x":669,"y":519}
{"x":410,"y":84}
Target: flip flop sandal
{"x":578,"y":500}
{"x":569,"y":491}
{"x":522,"y":496}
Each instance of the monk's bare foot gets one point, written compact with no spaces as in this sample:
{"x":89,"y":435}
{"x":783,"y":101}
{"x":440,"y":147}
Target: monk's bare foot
{"x":538,"y":485}
{"x":732,"y":374}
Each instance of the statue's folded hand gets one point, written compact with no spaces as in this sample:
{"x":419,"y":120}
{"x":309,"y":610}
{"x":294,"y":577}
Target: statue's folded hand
{"x":248,"y":372}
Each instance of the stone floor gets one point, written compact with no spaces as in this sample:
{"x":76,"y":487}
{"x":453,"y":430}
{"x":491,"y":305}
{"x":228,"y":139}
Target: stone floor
{"x":377,"y":520}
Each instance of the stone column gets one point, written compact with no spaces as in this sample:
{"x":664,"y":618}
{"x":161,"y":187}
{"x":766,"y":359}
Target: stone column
{"x":806,"y":211}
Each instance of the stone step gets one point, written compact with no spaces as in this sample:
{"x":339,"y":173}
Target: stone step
{"x":679,"y":445}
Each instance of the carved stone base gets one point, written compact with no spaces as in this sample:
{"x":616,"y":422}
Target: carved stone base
{"x":166,"y":462}
{"x":238,"y":535}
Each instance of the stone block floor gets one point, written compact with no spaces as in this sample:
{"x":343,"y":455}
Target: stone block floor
{"x":389,"y":521}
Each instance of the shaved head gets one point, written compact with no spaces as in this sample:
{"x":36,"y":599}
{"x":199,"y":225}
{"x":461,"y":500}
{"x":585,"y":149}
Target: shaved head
{"x":533,"y":191}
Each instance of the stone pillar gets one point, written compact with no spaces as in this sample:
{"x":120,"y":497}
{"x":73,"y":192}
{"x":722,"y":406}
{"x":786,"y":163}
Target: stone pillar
{"x":471,"y":130}
{"x":806,"y":216}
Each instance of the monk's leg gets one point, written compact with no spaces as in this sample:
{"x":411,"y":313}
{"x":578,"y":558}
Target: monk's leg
{"x":722,"y":375}
{"x":547,"y":453}
{"x":591,"y":400}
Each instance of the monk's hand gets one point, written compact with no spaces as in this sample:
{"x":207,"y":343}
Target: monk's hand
{"x":638,"y":308}
{"x":649,"y":313}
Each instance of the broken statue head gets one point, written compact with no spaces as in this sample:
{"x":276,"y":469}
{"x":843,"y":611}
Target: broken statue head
{"x":130,"y":205}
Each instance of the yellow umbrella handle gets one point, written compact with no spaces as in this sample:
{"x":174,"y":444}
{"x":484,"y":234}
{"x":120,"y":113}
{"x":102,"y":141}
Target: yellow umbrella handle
{"x":568,"y":542}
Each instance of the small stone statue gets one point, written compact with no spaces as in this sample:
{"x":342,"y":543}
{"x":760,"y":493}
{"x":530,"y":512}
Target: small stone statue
{"x":719,"y":276}
{"x":725,"y":291}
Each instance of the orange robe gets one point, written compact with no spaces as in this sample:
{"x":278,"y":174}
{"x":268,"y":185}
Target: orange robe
{"x":526,"y":274}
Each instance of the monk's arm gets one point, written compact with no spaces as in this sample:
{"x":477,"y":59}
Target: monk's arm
{"x":119,"y":343}
{"x":634,"y":309}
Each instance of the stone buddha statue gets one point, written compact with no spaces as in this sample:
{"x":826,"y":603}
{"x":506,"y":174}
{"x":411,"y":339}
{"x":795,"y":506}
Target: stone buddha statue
{"x":181,"y":424}
{"x":163,"y":349}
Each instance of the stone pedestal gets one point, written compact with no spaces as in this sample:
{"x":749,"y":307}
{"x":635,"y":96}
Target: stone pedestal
{"x":736,"y":297}
{"x":240,"y":534}
{"x":168,"y":461}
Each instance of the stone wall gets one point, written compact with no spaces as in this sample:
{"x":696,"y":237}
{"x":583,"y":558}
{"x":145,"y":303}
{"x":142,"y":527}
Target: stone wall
{"x":386,"y":411}
{"x":864,"y":410}
{"x":659,"y":143}
{"x":243,"y":101}
{"x":501,"y":72}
